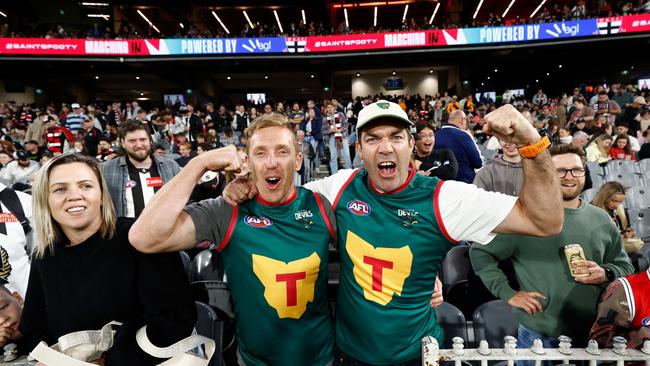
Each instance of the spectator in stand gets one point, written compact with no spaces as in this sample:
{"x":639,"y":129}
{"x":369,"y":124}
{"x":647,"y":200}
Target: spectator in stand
{"x":621,"y":149}
{"x":77,"y":224}
{"x":313,"y":128}
{"x":624,"y":98}
{"x":335,"y":129}
{"x":437,"y":114}
{"x":57,"y":136}
{"x":75,"y":119}
{"x":540,"y":98}
{"x":137,"y":174}
{"x":16,"y":243}
{"x":105,"y":152}
{"x":453,"y":105}
{"x":623,"y":129}
{"x":296,"y":116}
{"x":33,"y":151}
{"x":193,"y":121}
{"x":581,"y":125}
{"x":210,"y":119}
{"x":468,"y":105}
{"x":252,"y":113}
{"x":606,"y":107}
{"x":643,"y":119}
{"x":552,"y":301}
{"x":36,"y":130}
{"x":5,"y":159}
{"x":610,"y":197}
{"x":598,"y":150}
{"x":454,"y":137}
{"x":503,"y":173}
{"x":19,"y":173}
{"x":185,"y":151}
{"x":27,"y":116}
{"x":79,"y":147}
{"x":240,"y":121}
{"x":581,"y":111}
{"x":228,"y":137}
{"x":429,"y":161}
{"x":92,"y":135}
{"x":564,"y":135}
{"x":268,"y":108}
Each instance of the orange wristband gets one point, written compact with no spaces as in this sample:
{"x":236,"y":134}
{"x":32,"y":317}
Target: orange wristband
{"x":531,"y":151}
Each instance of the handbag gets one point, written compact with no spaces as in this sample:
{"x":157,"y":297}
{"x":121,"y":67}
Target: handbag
{"x":85,"y":348}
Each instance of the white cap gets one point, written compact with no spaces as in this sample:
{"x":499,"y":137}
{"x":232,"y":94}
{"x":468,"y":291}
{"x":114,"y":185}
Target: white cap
{"x":75,"y":105}
{"x":382,"y":109}
{"x":640,"y":100}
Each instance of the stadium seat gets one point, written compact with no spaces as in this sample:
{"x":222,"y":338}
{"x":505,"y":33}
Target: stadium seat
{"x":640,"y":221}
{"x":643,"y":166}
{"x":216,"y":296}
{"x":597,"y":181}
{"x":209,"y":325}
{"x":589,"y":194}
{"x":621,"y":166}
{"x":207,"y":265}
{"x":455,"y":267}
{"x":493,"y":321}
{"x":638,"y":197}
{"x":595,"y":169}
{"x":626,"y":179}
{"x":186,"y":263}
{"x":452,"y":324}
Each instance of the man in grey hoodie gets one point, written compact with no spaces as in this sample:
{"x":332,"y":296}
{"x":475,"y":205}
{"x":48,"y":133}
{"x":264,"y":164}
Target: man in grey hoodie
{"x":503,"y":173}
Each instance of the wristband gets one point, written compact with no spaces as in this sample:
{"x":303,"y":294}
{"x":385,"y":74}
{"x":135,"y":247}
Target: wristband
{"x":531,"y":151}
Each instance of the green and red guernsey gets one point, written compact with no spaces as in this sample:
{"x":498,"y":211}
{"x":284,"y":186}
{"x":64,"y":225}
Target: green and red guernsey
{"x":276,"y":262}
{"x":391,"y":250}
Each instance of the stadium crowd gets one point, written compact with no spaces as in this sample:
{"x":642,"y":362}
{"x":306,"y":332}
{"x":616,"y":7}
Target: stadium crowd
{"x":151,"y":162}
{"x":581,"y":9}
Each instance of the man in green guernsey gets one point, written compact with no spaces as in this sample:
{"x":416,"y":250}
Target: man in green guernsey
{"x":551,"y":301}
{"x":275,"y":247}
{"x":395,"y":228}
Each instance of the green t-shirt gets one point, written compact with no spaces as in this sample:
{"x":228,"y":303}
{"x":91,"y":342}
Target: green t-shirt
{"x":276,"y":262}
{"x":540,"y":265}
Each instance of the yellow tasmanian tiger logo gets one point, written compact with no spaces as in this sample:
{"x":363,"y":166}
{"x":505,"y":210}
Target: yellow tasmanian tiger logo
{"x":380,"y":272}
{"x":288,"y":286}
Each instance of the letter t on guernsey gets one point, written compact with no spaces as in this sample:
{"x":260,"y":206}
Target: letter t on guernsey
{"x":292,"y":289}
{"x":378,"y":266}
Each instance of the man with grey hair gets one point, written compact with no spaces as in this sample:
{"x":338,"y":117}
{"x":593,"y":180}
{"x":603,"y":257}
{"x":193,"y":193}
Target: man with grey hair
{"x":580,"y":139}
{"x":454,"y":136}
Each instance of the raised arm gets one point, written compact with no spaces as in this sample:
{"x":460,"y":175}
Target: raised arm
{"x":538,"y":210}
{"x":163,"y":224}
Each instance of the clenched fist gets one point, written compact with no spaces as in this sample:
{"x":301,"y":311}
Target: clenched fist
{"x":508,"y":124}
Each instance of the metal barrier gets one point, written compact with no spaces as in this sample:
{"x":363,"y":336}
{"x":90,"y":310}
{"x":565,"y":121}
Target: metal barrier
{"x":432,"y":355}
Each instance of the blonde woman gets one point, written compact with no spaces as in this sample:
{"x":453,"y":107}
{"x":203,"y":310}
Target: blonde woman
{"x":86,"y":274}
{"x":598,"y":150}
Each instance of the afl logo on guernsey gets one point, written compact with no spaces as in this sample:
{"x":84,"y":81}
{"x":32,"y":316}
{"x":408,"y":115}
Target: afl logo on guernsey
{"x":646,"y":321}
{"x":259,"y":222}
{"x":359,"y":208}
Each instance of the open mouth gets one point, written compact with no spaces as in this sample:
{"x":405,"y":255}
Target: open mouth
{"x":272,"y":182}
{"x":387,"y":169}
{"x":76,"y":210}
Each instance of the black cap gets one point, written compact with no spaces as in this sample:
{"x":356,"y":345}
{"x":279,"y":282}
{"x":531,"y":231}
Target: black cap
{"x":32,"y":142}
{"x":21,"y":155}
